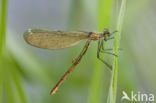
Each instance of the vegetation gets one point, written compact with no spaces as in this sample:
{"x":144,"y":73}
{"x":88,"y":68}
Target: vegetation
{"x":27,"y":73}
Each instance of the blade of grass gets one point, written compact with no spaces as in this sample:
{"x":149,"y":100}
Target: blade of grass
{"x":8,"y":96}
{"x":2,"y":24}
{"x":1,"y":82}
{"x":6,"y":88}
{"x":113,"y":86}
{"x":16,"y":80}
{"x":12,"y":88}
{"x":2,"y":38}
{"x":103,"y":19}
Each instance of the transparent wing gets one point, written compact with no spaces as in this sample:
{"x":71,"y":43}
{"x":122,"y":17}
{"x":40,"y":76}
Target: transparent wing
{"x":53,"y":39}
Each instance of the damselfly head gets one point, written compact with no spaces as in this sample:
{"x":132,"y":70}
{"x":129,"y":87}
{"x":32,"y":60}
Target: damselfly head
{"x":106,"y":33}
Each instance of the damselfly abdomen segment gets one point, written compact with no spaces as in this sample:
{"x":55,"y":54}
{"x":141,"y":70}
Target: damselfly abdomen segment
{"x":62,"y":39}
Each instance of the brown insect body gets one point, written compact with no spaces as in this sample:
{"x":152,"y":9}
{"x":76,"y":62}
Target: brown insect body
{"x":63,"y":39}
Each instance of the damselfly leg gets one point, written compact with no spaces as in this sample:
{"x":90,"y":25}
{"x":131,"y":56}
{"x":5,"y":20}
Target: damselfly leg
{"x":98,"y":54}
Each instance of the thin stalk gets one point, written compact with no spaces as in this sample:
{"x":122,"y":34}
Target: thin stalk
{"x":2,"y":39}
{"x":3,"y":24}
{"x":103,"y":21}
{"x":113,"y":86}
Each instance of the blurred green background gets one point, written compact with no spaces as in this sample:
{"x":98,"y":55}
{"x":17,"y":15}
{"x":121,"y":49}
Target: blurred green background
{"x":27,"y":74}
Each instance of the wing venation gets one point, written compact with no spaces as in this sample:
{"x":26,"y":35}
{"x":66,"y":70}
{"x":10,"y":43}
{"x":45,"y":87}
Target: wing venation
{"x":53,"y":39}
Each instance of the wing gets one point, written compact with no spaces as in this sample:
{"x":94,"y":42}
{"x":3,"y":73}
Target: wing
{"x":53,"y":39}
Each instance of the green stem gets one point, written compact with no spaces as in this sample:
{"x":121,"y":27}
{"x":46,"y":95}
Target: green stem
{"x":113,"y":86}
{"x":2,"y":39}
{"x":103,"y":21}
{"x":2,"y":24}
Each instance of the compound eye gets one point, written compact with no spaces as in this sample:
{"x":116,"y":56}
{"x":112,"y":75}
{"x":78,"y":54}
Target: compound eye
{"x":106,"y":32}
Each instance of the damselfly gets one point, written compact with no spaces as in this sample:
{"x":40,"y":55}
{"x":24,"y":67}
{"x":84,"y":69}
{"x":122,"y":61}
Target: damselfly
{"x":63,"y":39}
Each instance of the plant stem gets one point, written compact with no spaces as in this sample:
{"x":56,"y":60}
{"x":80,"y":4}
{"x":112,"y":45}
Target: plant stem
{"x":2,"y":39}
{"x":113,"y":85}
{"x":103,"y":21}
{"x":2,"y":24}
